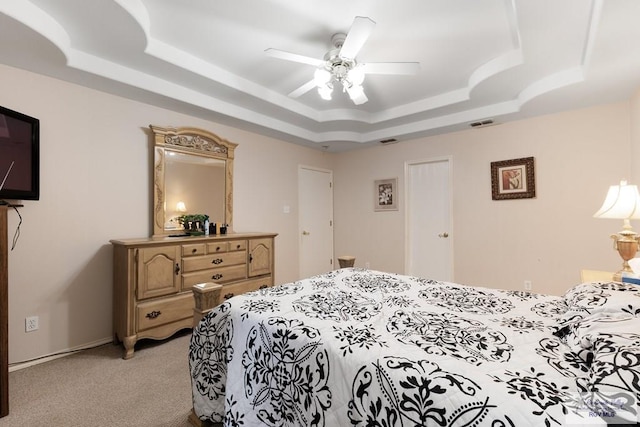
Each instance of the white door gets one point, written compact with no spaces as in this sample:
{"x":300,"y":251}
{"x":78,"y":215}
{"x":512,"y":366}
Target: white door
{"x":315,"y":208}
{"x":429,"y":241}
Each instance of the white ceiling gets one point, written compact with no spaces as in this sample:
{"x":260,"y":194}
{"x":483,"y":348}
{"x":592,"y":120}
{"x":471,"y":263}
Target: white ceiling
{"x":480,"y":59}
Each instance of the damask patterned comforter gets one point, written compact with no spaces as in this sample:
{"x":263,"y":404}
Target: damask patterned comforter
{"x":364,"y":348}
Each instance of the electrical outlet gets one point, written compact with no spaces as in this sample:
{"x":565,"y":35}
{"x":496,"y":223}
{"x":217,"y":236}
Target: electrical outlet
{"x":527,"y":285}
{"x":366,"y":265}
{"x":31,"y":324}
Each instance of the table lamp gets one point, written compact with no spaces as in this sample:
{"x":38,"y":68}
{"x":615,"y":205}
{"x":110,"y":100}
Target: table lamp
{"x":623,"y":202}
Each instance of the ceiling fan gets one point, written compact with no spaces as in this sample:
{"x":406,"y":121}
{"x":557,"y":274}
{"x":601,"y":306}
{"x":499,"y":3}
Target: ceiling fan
{"x":339,"y":65}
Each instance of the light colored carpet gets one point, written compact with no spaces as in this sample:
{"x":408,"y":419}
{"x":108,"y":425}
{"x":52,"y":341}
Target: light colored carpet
{"x":97,"y":387}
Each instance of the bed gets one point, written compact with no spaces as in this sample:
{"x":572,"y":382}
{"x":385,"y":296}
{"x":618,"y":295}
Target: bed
{"x":357,"y":347}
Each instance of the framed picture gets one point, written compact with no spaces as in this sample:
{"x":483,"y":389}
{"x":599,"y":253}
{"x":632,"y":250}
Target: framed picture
{"x":386,"y":194}
{"x":513,"y":179}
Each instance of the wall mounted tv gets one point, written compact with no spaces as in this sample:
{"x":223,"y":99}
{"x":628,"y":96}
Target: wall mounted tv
{"x":20,"y":152}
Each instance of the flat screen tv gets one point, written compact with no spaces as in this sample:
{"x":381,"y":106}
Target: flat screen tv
{"x":20,"y":152}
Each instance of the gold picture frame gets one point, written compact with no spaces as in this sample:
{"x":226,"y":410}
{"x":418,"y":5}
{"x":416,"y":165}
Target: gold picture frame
{"x":385,"y":195}
{"x":513,"y":179}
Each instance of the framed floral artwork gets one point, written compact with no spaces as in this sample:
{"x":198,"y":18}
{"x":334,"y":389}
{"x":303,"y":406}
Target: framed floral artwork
{"x":513,"y":179}
{"x":386,"y":194}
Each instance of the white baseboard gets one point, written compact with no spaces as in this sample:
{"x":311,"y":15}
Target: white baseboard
{"x":64,"y":353}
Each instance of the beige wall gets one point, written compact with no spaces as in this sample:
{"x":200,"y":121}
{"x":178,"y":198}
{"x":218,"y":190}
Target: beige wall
{"x":547,"y":240}
{"x":95,"y":179}
{"x":95,"y":186}
{"x":635,"y":138}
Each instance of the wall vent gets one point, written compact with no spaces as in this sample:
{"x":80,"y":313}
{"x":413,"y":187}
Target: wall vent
{"x":388,"y":141}
{"x":482,"y":123}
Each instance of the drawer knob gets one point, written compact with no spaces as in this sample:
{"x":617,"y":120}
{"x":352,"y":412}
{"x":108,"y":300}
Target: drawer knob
{"x":216,"y":261}
{"x":153,"y":315}
{"x":217,"y":276}
{"x":229,"y":295}
{"x":218,"y":249}
{"x":177,"y":269}
{"x":194,"y":250}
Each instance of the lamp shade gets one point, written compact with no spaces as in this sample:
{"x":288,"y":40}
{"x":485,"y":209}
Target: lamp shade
{"x":321,"y":77}
{"x":356,"y":76}
{"x":180,"y":207}
{"x":622,"y":202}
{"x":325,"y":92}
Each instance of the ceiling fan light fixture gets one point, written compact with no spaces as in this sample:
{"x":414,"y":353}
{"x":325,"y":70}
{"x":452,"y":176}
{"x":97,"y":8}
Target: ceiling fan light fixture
{"x":321,"y":77}
{"x":356,"y":75}
{"x":325,"y":91}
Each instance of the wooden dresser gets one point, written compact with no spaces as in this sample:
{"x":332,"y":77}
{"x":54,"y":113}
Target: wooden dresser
{"x":153,"y":277}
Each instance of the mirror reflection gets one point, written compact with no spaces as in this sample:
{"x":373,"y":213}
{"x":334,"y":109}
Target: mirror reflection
{"x":193,"y":185}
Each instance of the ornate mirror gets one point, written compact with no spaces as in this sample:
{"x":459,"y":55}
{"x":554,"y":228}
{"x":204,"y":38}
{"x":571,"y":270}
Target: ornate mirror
{"x":192,"y":174}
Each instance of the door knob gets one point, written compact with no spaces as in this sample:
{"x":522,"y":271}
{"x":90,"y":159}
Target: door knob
{"x":443,"y":235}
{"x":305,"y":233}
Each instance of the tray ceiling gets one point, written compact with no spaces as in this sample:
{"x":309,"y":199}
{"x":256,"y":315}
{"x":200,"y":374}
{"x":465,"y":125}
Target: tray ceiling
{"x":501,"y":60}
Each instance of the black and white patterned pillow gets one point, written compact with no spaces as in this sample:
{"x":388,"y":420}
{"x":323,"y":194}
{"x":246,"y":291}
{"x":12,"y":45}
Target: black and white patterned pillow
{"x":596,"y":309}
{"x":596,"y":300}
{"x":602,"y":297}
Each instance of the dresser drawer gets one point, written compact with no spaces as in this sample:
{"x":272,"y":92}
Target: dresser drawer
{"x":216,"y":248}
{"x":213,"y":261}
{"x":217,"y":275}
{"x":229,"y":291}
{"x":155,"y":313}
{"x":193,"y":249}
{"x":238,"y":245}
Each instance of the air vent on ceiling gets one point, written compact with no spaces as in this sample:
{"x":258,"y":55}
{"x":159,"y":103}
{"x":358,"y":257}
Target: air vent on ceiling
{"x":388,"y":141}
{"x":482,"y":123}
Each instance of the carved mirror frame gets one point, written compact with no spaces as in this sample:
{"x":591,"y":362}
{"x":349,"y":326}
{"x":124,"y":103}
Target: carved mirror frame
{"x":193,"y":141}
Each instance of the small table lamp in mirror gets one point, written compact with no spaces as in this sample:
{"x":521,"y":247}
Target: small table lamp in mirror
{"x":623,"y":202}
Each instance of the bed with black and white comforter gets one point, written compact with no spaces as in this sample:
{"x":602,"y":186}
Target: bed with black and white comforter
{"x":358,"y":347}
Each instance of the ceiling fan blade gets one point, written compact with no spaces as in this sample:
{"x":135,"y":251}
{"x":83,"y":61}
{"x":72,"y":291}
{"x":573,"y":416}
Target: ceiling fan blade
{"x":358,"y":34}
{"x":357,"y":95}
{"x":401,"y":68}
{"x":303,"y":89}
{"x":288,"y":56}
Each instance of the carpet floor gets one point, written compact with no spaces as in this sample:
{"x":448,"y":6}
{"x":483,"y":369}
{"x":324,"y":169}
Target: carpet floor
{"x":96,"y":387}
